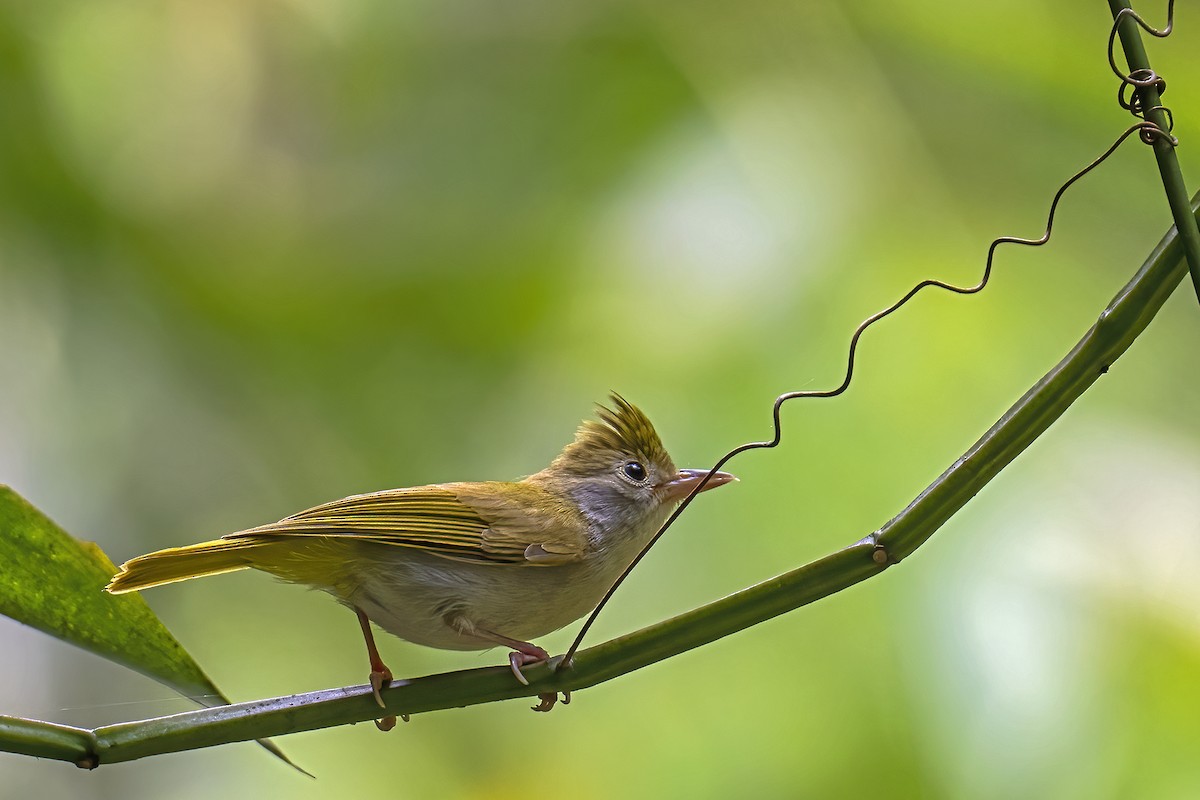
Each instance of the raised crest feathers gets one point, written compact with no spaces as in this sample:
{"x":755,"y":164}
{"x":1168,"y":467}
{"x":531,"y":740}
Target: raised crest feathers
{"x":622,"y":429}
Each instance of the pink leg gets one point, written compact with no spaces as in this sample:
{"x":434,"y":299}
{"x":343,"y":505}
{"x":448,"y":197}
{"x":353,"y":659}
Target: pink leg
{"x":523,"y":654}
{"x":380,"y":676}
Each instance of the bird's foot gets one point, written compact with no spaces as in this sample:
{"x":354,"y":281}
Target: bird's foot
{"x":380,"y":678}
{"x":548,"y":699}
{"x":524,"y":656}
{"x":389,"y":722}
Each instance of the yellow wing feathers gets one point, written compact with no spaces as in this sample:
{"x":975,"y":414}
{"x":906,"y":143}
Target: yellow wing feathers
{"x":483,"y":522}
{"x":486,"y":523}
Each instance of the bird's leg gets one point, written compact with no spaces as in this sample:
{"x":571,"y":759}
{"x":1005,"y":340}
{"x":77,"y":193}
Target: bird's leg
{"x":523,"y":654}
{"x":381,"y":676}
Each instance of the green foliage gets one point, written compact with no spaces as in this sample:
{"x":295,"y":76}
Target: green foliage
{"x":54,"y":582}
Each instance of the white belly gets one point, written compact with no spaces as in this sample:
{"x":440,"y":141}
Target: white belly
{"x":412,"y":595}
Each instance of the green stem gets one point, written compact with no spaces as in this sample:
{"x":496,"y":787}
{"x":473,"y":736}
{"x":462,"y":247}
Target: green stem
{"x":1120,"y":323}
{"x":32,"y":737}
{"x":1118,"y":326}
{"x":1164,"y":150}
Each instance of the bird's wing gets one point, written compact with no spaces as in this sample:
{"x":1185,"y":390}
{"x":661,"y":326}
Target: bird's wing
{"x":489,"y":523}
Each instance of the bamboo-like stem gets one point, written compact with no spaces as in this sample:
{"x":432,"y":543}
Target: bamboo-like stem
{"x":1164,"y":150}
{"x":1118,"y":326}
{"x":31,"y":737}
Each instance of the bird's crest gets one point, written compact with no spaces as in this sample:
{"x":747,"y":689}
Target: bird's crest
{"x":622,"y":430}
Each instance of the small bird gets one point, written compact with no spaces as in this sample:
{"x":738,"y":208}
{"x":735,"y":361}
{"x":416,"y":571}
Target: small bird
{"x":467,"y":566}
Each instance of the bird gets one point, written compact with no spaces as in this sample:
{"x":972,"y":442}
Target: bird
{"x":467,"y":565}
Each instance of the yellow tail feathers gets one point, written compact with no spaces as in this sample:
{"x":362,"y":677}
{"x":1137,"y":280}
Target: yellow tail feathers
{"x":181,"y":563}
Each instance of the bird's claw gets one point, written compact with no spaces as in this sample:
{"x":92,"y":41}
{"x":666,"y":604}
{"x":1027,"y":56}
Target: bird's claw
{"x":380,"y":678}
{"x":532,"y":654}
{"x":389,"y":722}
{"x":528,"y":654}
{"x":548,"y":699}
{"x":522,"y":658}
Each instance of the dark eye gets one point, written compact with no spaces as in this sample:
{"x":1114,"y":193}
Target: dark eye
{"x":635,"y":472}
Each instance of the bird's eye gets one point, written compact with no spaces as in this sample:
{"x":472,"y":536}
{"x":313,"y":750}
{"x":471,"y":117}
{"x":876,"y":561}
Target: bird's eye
{"x":635,"y":472}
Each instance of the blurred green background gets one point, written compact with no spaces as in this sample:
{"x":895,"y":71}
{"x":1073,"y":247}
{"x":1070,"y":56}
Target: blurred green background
{"x":260,"y":254}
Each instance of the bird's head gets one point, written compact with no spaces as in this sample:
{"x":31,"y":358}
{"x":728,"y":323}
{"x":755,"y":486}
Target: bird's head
{"x":618,"y":472}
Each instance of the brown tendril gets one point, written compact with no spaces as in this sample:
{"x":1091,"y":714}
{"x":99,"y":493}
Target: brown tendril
{"x":1147,"y":131}
{"x":1127,"y":94}
{"x":1133,"y":79}
{"x":1143,"y":128}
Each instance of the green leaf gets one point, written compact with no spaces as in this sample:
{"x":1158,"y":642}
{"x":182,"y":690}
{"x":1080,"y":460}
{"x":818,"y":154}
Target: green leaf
{"x":53,"y":582}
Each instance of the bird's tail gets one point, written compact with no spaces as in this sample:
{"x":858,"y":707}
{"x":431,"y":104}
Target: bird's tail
{"x":182,"y":563}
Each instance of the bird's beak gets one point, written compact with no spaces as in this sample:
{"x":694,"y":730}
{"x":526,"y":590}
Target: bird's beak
{"x":686,"y":480}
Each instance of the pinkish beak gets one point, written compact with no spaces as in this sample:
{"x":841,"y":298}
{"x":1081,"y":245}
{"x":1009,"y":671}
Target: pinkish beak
{"x":683,"y":483}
